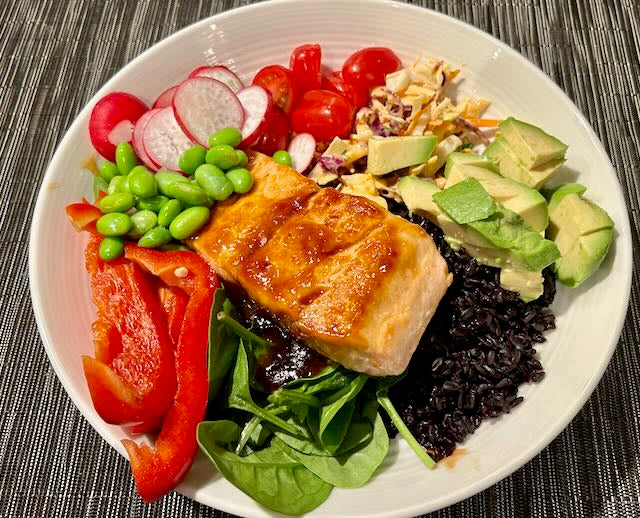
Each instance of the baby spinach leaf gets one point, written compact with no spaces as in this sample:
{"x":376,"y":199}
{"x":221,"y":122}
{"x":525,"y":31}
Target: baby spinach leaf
{"x":326,"y":372}
{"x":270,"y":476}
{"x":383,"y":385}
{"x":223,"y":345}
{"x":257,"y":344}
{"x":283,"y":396}
{"x":351,"y":469}
{"x":240,"y":396}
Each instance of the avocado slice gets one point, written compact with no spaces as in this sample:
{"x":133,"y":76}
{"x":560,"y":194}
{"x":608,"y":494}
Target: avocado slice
{"x":529,"y":285}
{"x":516,"y":196}
{"x":503,"y":238}
{"x":392,"y":153}
{"x":466,"y":201}
{"x":459,"y":158}
{"x":511,"y":167}
{"x":555,"y":196}
{"x":532,"y":145}
{"x":582,"y":231}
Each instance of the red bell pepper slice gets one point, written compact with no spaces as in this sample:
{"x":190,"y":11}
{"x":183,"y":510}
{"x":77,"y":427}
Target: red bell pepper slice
{"x":174,"y":302}
{"x":132,"y":378}
{"x":83,"y":216}
{"x":157,"y":470}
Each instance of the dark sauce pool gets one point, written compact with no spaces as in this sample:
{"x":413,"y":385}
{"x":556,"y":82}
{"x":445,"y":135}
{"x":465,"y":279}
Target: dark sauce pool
{"x":476,"y":351}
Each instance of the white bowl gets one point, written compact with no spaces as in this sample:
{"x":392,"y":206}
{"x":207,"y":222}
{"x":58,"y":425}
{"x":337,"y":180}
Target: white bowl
{"x":589,"y":319}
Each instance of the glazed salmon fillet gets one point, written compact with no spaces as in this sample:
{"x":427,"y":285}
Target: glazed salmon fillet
{"x":354,"y":281}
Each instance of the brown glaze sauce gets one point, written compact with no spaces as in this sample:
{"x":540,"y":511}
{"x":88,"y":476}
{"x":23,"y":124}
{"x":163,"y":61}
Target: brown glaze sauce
{"x":289,"y":359}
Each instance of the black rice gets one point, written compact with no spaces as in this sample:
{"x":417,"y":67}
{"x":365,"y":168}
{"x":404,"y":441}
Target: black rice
{"x":476,"y":351}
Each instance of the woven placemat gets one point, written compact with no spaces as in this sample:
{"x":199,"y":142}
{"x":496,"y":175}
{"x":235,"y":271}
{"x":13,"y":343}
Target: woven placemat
{"x":54,"y":54}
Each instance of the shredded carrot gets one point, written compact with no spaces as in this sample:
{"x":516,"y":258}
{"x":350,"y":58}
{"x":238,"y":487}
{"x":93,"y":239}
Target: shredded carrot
{"x":484,"y":123}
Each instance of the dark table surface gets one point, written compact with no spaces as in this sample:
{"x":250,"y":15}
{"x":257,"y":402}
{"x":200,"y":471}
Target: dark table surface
{"x":54,"y":55}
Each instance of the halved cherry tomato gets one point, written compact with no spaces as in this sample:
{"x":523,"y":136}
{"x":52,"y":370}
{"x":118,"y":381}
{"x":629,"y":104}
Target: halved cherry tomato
{"x":367,"y":67}
{"x":324,"y":114}
{"x":305,"y":63}
{"x":333,"y":81}
{"x":281,"y":84}
{"x":276,"y":135}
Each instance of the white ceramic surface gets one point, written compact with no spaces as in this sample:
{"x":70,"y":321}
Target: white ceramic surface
{"x":589,"y":319}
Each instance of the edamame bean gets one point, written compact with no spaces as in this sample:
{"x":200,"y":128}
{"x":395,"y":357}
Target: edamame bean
{"x":282,"y":157}
{"x":241,"y":179}
{"x":111,"y":248}
{"x":166,"y":178}
{"x":108,"y":170}
{"x":126,"y":158}
{"x":191,"y":158}
{"x":115,"y":185}
{"x":168,"y":212}
{"x":188,"y":222}
{"x":99,"y":185}
{"x":154,"y":203}
{"x":117,"y":202}
{"x":113,"y":224}
{"x":214,"y":182}
{"x":142,"y":182}
{"x":229,"y":136}
{"x":155,"y":237}
{"x":188,"y":193}
{"x":222,"y":156}
{"x":141,"y":222}
{"x":242,"y":158}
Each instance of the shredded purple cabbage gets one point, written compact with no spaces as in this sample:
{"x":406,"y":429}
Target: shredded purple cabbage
{"x":380,"y":129}
{"x":331,"y":163}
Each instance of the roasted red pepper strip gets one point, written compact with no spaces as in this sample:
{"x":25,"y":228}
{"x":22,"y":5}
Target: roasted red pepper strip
{"x":159,"y":469}
{"x":132,"y":378}
{"x":83,"y":216}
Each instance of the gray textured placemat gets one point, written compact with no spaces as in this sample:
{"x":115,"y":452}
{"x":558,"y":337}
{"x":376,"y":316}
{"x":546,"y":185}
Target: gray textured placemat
{"x":54,"y":54}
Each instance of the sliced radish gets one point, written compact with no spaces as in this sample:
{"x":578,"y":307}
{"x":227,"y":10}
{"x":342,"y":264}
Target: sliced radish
{"x":202,"y":106}
{"x":258,"y":107}
{"x":165,"y":98}
{"x":138,"y":143}
{"x":222,"y":74}
{"x":163,"y":139}
{"x":122,"y":132}
{"x":108,"y":113}
{"x":301,"y":149}
{"x":276,"y":135}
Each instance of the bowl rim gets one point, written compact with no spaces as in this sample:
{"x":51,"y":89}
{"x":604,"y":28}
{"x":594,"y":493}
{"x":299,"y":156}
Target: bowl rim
{"x":623,"y":243}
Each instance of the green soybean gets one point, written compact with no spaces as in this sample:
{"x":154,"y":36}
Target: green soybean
{"x":142,"y":182}
{"x":168,"y":212}
{"x":108,"y":170}
{"x":99,"y":185}
{"x":214,"y":182}
{"x":191,"y":158}
{"x":282,"y":157}
{"x":188,"y":222}
{"x":141,"y":222}
{"x":117,"y":202}
{"x":113,"y":224}
{"x":111,"y":248}
{"x":154,"y":203}
{"x":188,"y":193}
{"x":222,"y":156}
{"x":166,"y":178}
{"x":126,"y":158}
{"x":242,"y":158}
{"x":115,"y":185}
{"x":241,"y":180}
{"x":229,"y":136}
{"x":155,"y":237}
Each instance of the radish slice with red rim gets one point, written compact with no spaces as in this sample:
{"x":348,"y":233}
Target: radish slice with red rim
{"x":113,"y":110}
{"x":258,"y":106}
{"x":138,"y":143}
{"x":301,"y":149}
{"x":165,"y":98}
{"x":121,"y":132}
{"x":163,"y":139}
{"x":222,"y":74}
{"x":203,"y":106}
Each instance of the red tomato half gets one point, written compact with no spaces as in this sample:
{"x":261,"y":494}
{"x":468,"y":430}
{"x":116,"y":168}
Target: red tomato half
{"x":276,"y":135}
{"x":359,"y":97}
{"x":367,"y":67}
{"x":305,"y":63}
{"x":281,"y":84}
{"x":324,"y":114}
